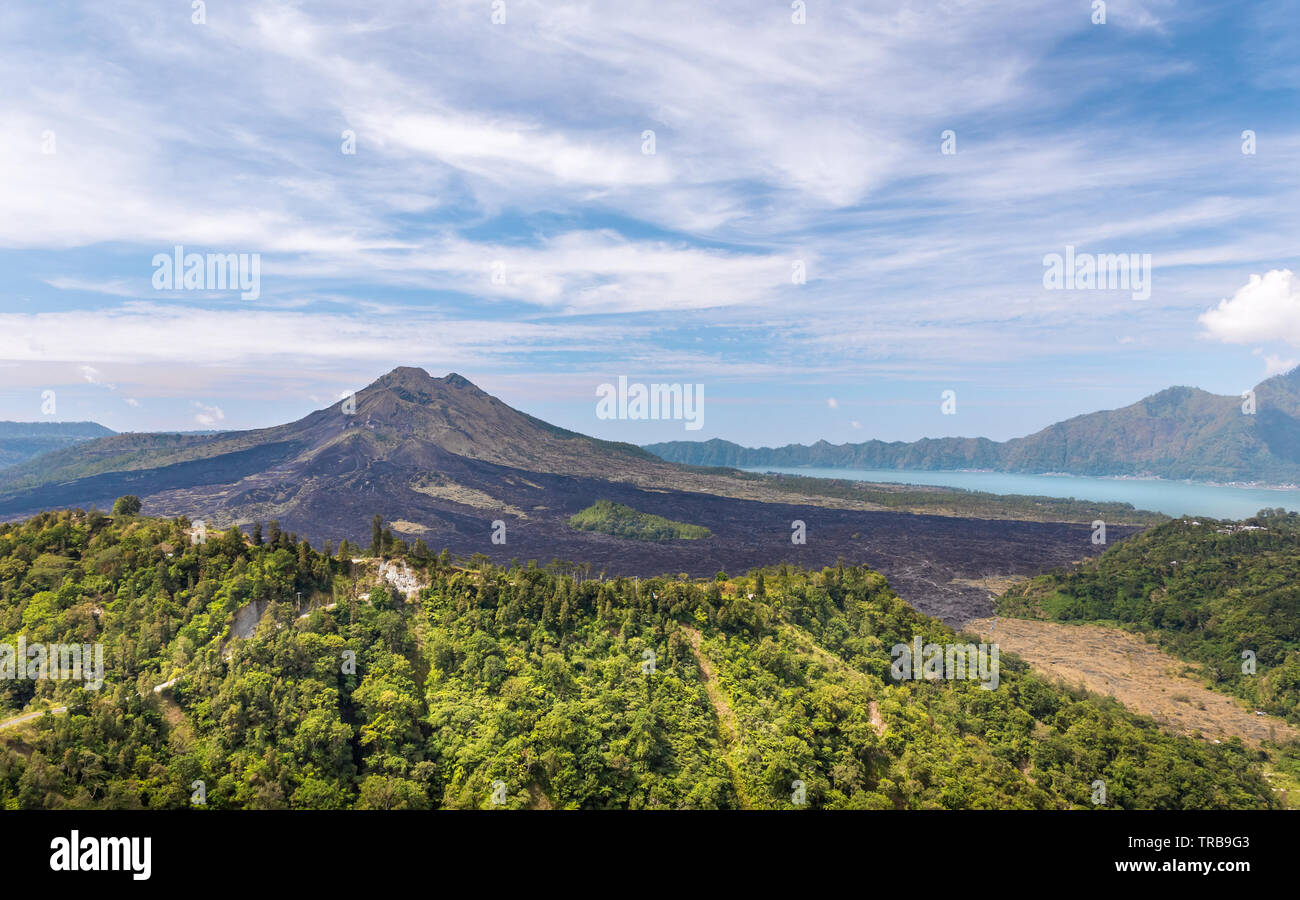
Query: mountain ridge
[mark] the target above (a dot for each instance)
(444, 463)
(21, 441)
(1180, 432)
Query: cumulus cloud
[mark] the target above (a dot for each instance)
(1266, 308)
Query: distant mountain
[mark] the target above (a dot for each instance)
(445, 463)
(1180, 433)
(21, 441)
(411, 434)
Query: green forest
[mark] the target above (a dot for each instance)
(528, 687)
(1207, 591)
(619, 520)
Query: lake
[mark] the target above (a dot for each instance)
(1173, 498)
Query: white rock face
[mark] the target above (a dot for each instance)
(400, 577)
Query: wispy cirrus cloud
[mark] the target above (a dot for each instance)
(503, 207)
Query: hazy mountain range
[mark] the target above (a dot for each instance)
(21, 441)
(1181, 433)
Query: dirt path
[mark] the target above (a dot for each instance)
(1140, 675)
(804, 642)
(59, 710)
(873, 716)
(728, 730)
(27, 717)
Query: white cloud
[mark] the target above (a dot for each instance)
(503, 151)
(208, 415)
(523, 143)
(1276, 365)
(1266, 308)
(184, 337)
(115, 287)
(832, 403)
(93, 376)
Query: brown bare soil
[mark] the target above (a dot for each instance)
(1139, 675)
(873, 714)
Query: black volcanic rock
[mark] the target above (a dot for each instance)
(441, 461)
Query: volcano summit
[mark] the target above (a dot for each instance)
(446, 463)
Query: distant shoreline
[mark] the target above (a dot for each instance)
(1253, 485)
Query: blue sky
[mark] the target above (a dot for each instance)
(517, 150)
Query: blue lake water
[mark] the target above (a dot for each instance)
(1174, 498)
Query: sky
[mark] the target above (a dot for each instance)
(825, 214)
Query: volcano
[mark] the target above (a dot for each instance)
(441, 461)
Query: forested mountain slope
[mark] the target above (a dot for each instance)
(524, 687)
(1181, 433)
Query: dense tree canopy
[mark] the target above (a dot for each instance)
(528, 687)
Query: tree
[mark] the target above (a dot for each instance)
(377, 535)
(127, 505)
(384, 792)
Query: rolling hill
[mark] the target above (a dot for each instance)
(1180, 433)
